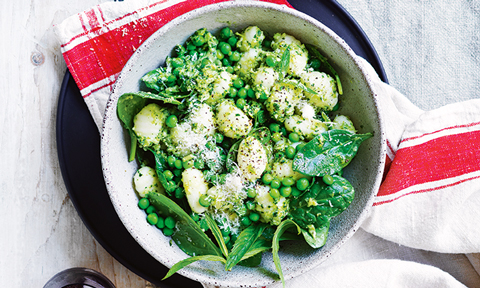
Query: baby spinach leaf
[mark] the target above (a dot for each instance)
(319, 237)
(314, 51)
(160, 164)
(244, 242)
(182, 264)
(328, 153)
(284, 226)
(127, 107)
(188, 235)
(217, 234)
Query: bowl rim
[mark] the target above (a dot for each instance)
(367, 78)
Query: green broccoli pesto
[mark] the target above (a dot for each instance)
(235, 145)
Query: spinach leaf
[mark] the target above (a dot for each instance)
(284, 226)
(282, 67)
(217, 234)
(319, 237)
(185, 262)
(188, 236)
(244, 242)
(127, 107)
(328, 153)
(161, 97)
(160, 167)
(252, 261)
(313, 51)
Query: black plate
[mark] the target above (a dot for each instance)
(78, 144)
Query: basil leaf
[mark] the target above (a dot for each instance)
(319, 237)
(217, 234)
(188, 235)
(284, 226)
(244, 242)
(328, 153)
(313, 51)
(127, 107)
(282, 67)
(181, 264)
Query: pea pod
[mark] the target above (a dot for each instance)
(328, 153)
(188, 236)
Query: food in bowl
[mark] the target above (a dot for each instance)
(239, 144)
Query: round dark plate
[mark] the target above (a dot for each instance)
(78, 144)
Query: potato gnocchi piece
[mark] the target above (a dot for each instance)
(284, 169)
(149, 123)
(252, 158)
(344, 123)
(281, 102)
(307, 128)
(221, 85)
(270, 211)
(324, 85)
(298, 53)
(264, 79)
(146, 181)
(195, 186)
(251, 37)
(231, 121)
(248, 62)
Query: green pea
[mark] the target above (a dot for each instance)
(267, 178)
(242, 93)
(226, 239)
(167, 231)
(160, 223)
(188, 164)
(274, 127)
(290, 152)
(210, 145)
(199, 163)
(219, 54)
(178, 164)
(225, 33)
(232, 92)
(254, 217)
(152, 218)
(250, 205)
(150, 209)
(238, 83)
(277, 136)
(246, 221)
(302, 184)
(226, 231)
(327, 179)
(168, 175)
(177, 62)
(240, 103)
(315, 64)
(285, 191)
(218, 137)
(179, 193)
(299, 146)
(198, 40)
(195, 217)
(225, 48)
(271, 61)
(143, 203)
(251, 93)
(295, 192)
(190, 46)
(230, 69)
(274, 193)
(172, 121)
(218, 63)
(288, 181)
(276, 183)
(251, 192)
(177, 172)
(204, 200)
(232, 41)
(235, 57)
(226, 62)
(170, 222)
(171, 78)
(294, 137)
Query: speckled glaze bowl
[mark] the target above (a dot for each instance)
(358, 102)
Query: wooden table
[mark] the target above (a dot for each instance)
(42, 233)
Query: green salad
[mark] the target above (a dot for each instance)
(240, 146)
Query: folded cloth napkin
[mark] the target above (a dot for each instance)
(430, 195)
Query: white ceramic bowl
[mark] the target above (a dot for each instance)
(358, 102)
